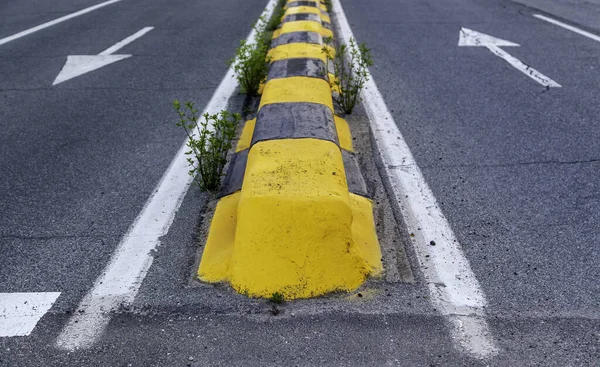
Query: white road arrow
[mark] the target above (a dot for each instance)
(77, 65)
(469, 37)
(20, 312)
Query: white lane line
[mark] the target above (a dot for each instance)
(453, 288)
(55, 21)
(20, 312)
(122, 278)
(569, 27)
(119, 45)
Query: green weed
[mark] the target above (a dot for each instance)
(251, 63)
(351, 68)
(275, 20)
(209, 140)
(277, 298)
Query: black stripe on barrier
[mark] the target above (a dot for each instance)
(294, 4)
(294, 121)
(235, 174)
(302, 16)
(354, 178)
(297, 37)
(313, 68)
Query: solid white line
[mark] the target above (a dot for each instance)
(122, 278)
(55, 21)
(119, 45)
(20, 312)
(569, 27)
(452, 285)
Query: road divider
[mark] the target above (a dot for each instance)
(294, 216)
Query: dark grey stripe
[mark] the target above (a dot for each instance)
(297, 37)
(326, 24)
(293, 4)
(302, 16)
(354, 178)
(294, 121)
(234, 178)
(313, 68)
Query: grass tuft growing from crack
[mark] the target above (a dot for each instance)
(209, 140)
(277, 298)
(351, 69)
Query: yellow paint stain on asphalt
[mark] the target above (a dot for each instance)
(297, 89)
(246, 137)
(343, 132)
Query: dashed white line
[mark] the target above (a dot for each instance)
(122, 278)
(453, 288)
(55, 21)
(569, 27)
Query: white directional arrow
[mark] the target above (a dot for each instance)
(20, 312)
(469, 37)
(77, 65)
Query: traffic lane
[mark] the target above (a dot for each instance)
(81, 161)
(584, 13)
(464, 108)
(483, 106)
(34, 61)
(528, 231)
(200, 339)
(19, 15)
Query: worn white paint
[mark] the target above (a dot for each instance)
(569, 27)
(470, 38)
(55, 21)
(122, 278)
(20, 312)
(77, 65)
(453, 288)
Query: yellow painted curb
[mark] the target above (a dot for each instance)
(298, 231)
(246, 137)
(297, 89)
(343, 132)
(302, 10)
(303, 26)
(294, 227)
(216, 258)
(297, 51)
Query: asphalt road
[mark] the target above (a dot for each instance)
(513, 165)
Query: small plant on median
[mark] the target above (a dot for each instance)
(351, 69)
(275, 20)
(277, 298)
(209, 140)
(250, 63)
(329, 5)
